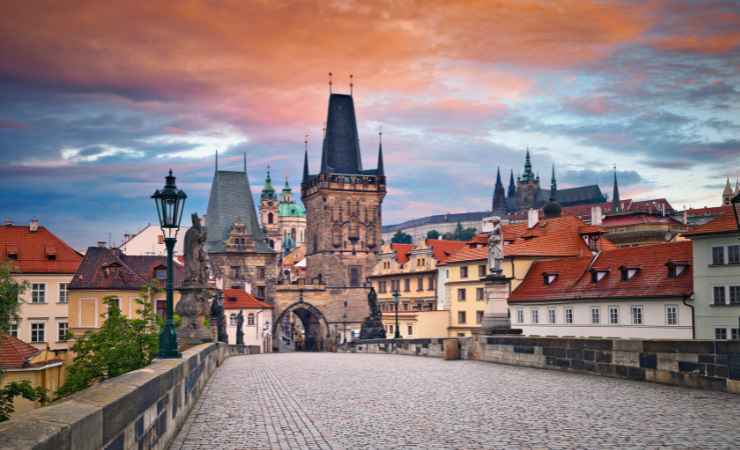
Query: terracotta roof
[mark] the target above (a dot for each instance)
(137, 271)
(242, 300)
(15, 353)
(574, 281)
(480, 238)
(637, 219)
(712, 210)
(403, 251)
(441, 250)
(514, 231)
(470, 254)
(33, 249)
(721, 224)
(291, 259)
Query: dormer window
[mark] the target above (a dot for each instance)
(113, 271)
(676, 267)
(598, 274)
(549, 277)
(51, 257)
(161, 274)
(232, 299)
(628, 271)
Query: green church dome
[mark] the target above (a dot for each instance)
(291, 210)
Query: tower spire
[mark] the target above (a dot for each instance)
(381, 169)
(616, 203)
(554, 182)
(499, 195)
(305, 162)
(512, 186)
(329, 82)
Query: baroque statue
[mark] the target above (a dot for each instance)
(239, 328)
(194, 256)
(372, 326)
(194, 297)
(496, 248)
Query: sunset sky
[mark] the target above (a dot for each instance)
(99, 99)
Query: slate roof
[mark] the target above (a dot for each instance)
(441, 218)
(137, 271)
(616, 221)
(32, 250)
(15, 353)
(574, 281)
(242, 300)
(571, 195)
(341, 152)
(719, 225)
(231, 199)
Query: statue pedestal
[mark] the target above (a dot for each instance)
(372, 327)
(192, 309)
(496, 318)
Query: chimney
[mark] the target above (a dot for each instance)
(8, 223)
(34, 225)
(596, 215)
(101, 244)
(248, 287)
(532, 218)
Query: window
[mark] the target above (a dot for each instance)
(37, 332)
(38, 293)
(568, 315)
(720, 333)
(250, 319)
(551, 316)
(719, 295)
(535, 316)
(637, 315)
(236, 287)
(390, 327)
(420, 284)
(478, 316)
(405, 306)
(162, 308)
(234, 271)
(261, 291)
(114, 271)
(613, 315)
(114, 303)
(733, 254)
(406, 284)
(430, 283)
(461, 295)
(734, 295)
(479, 293)
(463, 272)
(594, 277)
(482, 270)
(461, 317)
(671, 272)
(13, 330)
(354, 276)
(625, 275)
(160, 239)
(63, 293)
(595, 316)
(232, 319)
(63, 329)
(671, 315)
(718, 255)
(519, 316)
(411, 330)
(161, 274)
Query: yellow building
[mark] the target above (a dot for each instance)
(108, 272)
(524, 244)
(417, 324)
(22, 361)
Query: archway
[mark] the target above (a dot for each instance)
(301, 326)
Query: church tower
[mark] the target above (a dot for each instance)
(343, 205)
(727, 194)
(269, 213)
(528, 187)
(499, 196)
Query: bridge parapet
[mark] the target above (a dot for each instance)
(142, 409)
(702, 364)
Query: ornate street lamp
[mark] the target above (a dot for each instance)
(220, 313)
(344, 318)
(170, 202)
(396, 299)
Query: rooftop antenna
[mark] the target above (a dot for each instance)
(329, 82)
(351, 87)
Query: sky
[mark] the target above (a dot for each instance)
(98, 100)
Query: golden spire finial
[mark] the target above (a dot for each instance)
(330, 82)
(351, 84)
(306, 141)
(286, 177)
(268, 171)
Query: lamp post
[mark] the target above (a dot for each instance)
(336, 333)
(219, 312)
(170, 202)
(396, 299)
(344, 318)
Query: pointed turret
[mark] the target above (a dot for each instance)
(305, 164)
(499, 195)
(268, 192)
(554, 183)
(737, 188)
(512, 186)
(616, 202)
(528, 174)
(341, 153)
(727, 194)
(381, 170)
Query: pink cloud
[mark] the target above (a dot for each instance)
(175, 130)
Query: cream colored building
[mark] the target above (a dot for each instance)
(149, 241)
(417, 324)
(257, 318)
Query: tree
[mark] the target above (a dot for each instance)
(121, 345)
(448, 236)
(467, 234)
(401, 238)
(10, 295)
(433, 234)
(19, 388)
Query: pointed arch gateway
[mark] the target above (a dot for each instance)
(305, 312)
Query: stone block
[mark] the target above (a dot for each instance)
(599, 344)
(23, 433)
(85, 422)
(561, 352)
(733, 386)
(551, 360)
(603, 357)
(589, 355)
(697, 346)
(451, 349)
(660, 346)
(648, 360)
(700, 369)
(574, 353)
(634, 373)
(706, 359)
(631, 359)
(667, 365)
(563, 362)
(590, 366)
(661, 376)
(576, 343)
(522, 349)
(687, 357)
(711, 383)
(605, 369)
(666, 356)
(578, 364)
(628, 345)
(559, 343)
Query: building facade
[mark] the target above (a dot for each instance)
(716, 270)
(281, 217)
(149, 241)
(257, 318)
(443, 223)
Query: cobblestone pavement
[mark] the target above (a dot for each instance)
(369, 401)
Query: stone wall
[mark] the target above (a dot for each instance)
(701, 364)
(143, 409)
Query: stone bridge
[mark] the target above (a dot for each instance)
(380, 394)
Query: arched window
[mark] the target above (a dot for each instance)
(272, 243)
(293, 234)
(269, 218)
(250, 319)
(232, 320)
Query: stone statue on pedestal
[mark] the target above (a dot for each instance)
(239, 328)
(496, 248)
(372, 326)
(194, 298)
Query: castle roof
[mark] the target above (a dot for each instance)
(341, 153)
(291, 209)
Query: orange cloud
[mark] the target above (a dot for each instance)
(175, 130)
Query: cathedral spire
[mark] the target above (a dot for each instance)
(616, 202)
(305, 162)
(381, 169)
(554, 182)
(512, 185)
(268, 192)
(499, 195)
(528, 175)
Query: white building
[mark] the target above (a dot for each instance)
(257, 318)
(150, 241)
(444, 223)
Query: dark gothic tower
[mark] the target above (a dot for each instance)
(616, 203)
(554, 183)
(512, 186)
(499, 196)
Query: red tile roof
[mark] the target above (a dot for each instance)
(403, 251)
(33, 249)
(480, 238)
(712, 210)
(137, 271)
(242, 300)
(574, 280)
(441, 250)
(722, 224)
(636, 219)
(469, 254)
(15, 353)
